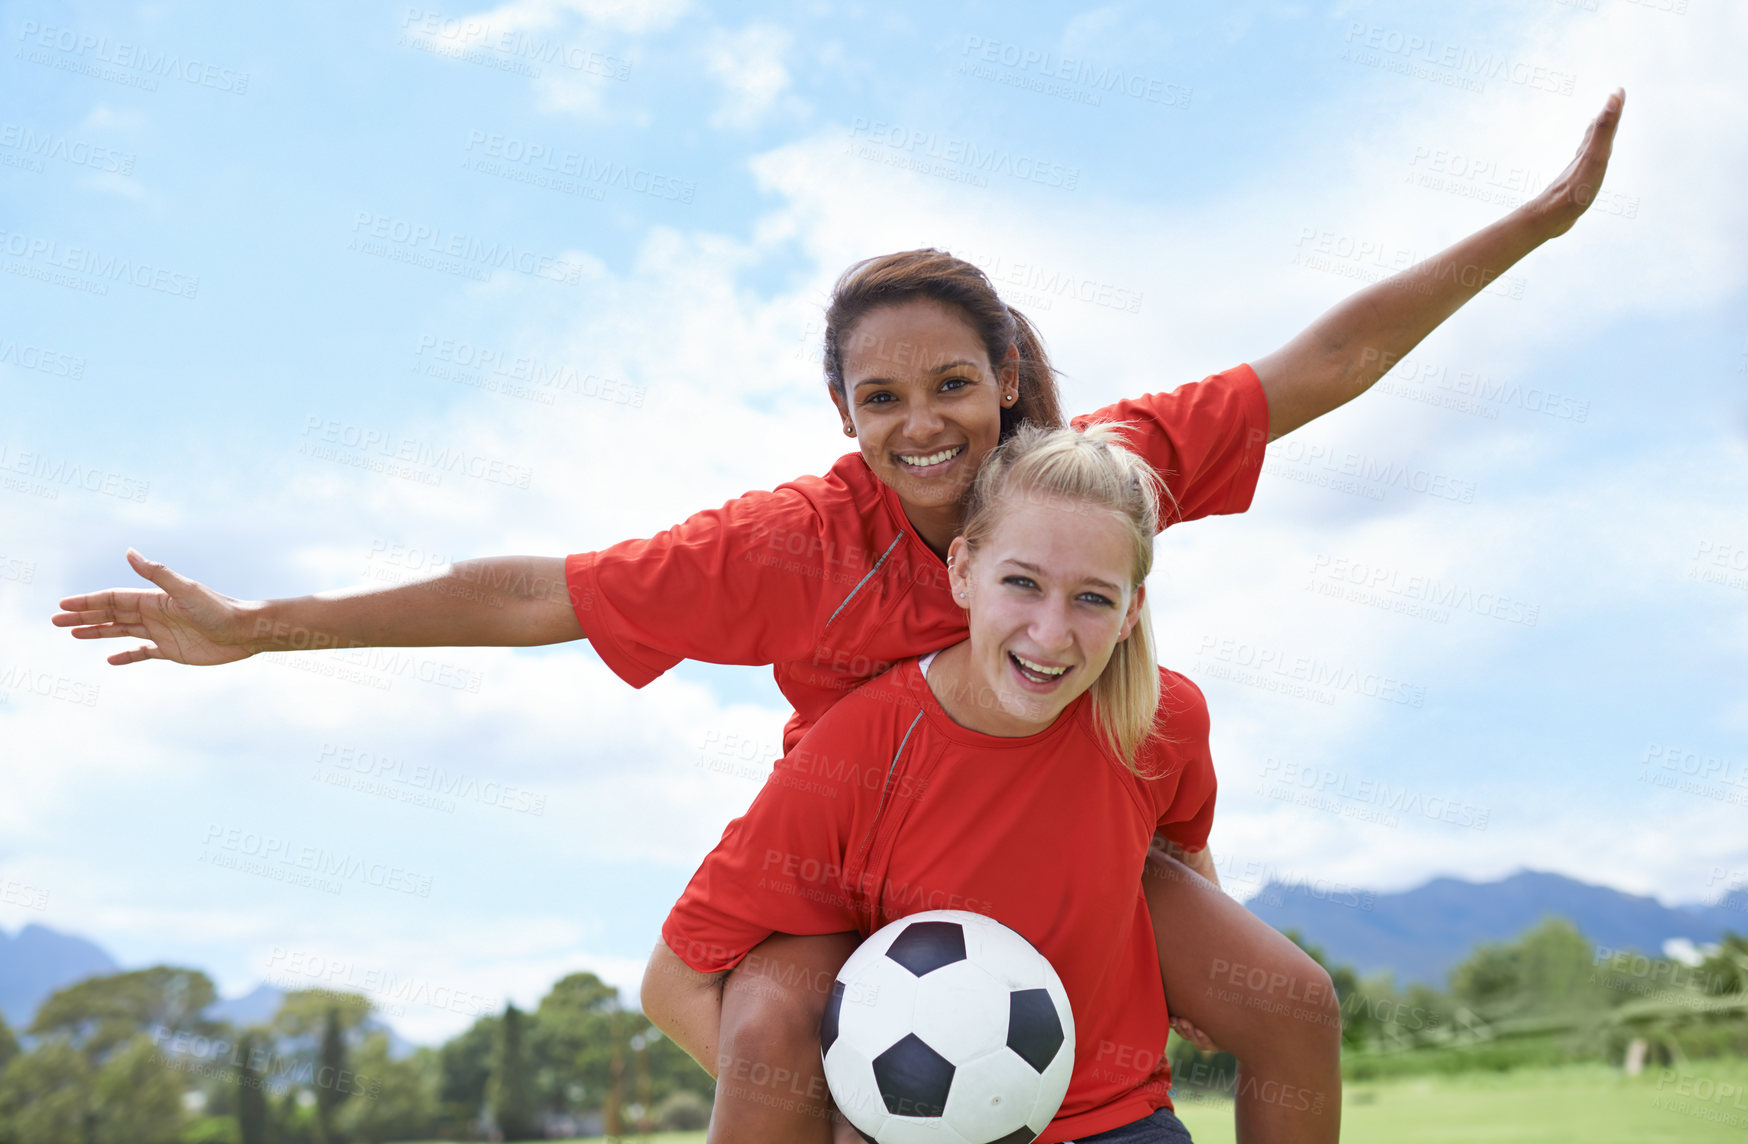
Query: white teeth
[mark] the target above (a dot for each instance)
(1038, 667)
(932, 458)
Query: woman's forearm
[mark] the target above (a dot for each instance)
(1340, 355)
(502, 601)
(1353, 344)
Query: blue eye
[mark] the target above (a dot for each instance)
(1019, 581)
(1102, 601)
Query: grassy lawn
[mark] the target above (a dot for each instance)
(1705, 1103)
(1579, 1104)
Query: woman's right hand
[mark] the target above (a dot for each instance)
(187, 622)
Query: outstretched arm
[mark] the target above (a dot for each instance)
(501, 601)
(1339, 356)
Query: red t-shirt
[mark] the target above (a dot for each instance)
(888, 808)
(825, 579)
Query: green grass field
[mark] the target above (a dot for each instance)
(1579, 1104)
(1705, 1102)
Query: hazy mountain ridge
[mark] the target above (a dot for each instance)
(37, 961)
(1422, 933)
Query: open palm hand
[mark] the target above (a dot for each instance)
(186, 621)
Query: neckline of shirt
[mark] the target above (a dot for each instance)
(944, 722)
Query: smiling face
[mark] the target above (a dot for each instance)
(1050, 597)
(925, 404)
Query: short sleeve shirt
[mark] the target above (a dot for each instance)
(886, 807)
(824, 578)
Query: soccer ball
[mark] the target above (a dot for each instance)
(948, 1027)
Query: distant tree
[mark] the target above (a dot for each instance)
(571, 1040)
(251, 1091)
(333, 1081)
(510, 1094)
(570, 1045)
(1725, 971)
(45, 1096)
(100, 1014)
(303, 1013)
(464, 1071)
(1490, 977)
(1546, 970)
(396, 1100)
(8, 1044)
(136, 1100)
(683, 1112)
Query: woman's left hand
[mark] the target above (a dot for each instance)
(1193, 1035)
(1571, 194)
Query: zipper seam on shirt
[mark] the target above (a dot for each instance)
(891, 769)
(864, 580)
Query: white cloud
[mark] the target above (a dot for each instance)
(749, 64)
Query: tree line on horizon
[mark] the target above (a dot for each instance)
(129, 1058)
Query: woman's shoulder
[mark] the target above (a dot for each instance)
(1180, 728)
(895, 695)
(1180, 698)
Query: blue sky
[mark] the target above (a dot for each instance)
(1482, 618)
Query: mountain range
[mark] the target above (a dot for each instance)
(1420, 935)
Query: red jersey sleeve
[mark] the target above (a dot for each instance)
(1185, 808)
(1205, 439)
(778, 868)
(723, 586)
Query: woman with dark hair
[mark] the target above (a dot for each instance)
(833, 579)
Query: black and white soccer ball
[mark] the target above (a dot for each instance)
(948, 1027)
